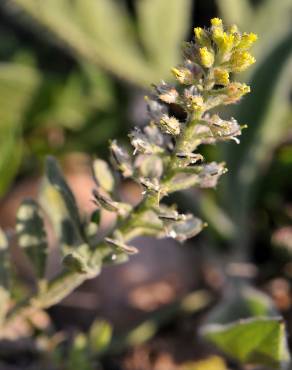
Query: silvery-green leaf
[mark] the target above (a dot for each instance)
(122, 159)
(149, 166)
(4, 260)
(257, 341)
(186, 228)
(32, 237)
(103, 175)
(4, 275)
(100, 335)
(59, 203)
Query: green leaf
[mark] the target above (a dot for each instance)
(100, 335)
(32, 237)
(258, 341)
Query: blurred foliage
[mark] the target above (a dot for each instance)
(102, 33)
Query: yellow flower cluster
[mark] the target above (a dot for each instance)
(217, 52)
(224, 48)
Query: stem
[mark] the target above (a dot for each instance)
(65, 282)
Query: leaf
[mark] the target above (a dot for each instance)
(32, 237)
(59, 203)
(163, 24)
(103, 175)
(4, 275)
(258, 341)
(99, 336)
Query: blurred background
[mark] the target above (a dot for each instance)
(73, 75)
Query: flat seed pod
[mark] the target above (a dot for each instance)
(184, 229)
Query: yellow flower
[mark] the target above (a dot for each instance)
(241, 60)
(183, 75)
(221, 76)
(206, 57)
(202, 37)
(216, 22)
(247, 40)
(197, 103)
(224, 41)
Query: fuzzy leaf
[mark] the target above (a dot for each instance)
(32, 237)
(59, 203)
(260, 341)
(103, 175)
